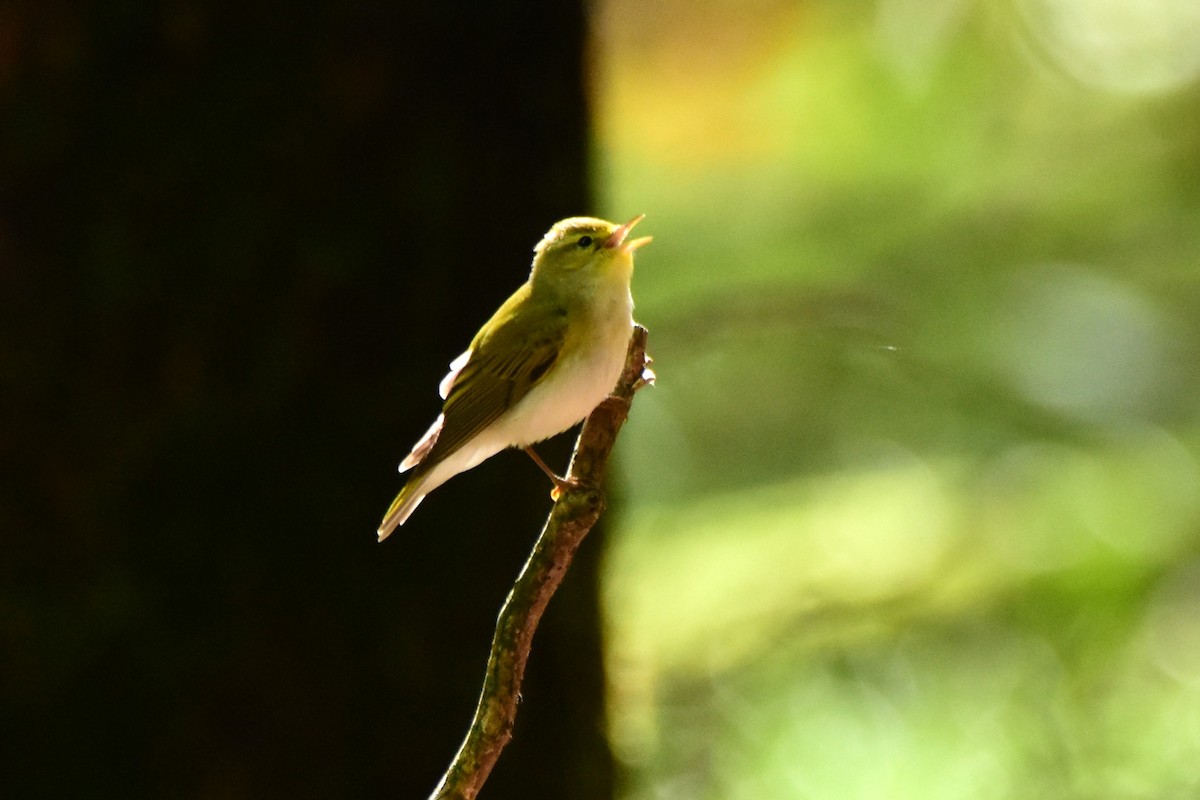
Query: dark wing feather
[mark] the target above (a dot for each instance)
(507, 360)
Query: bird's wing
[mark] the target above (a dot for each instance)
(500, 369)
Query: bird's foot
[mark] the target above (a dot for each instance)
(647, 377)
(562, 485)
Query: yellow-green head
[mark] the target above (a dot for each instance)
(578, 252)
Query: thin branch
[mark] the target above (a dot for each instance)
(573, 515)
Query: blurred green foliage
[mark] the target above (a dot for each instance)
(914, 509)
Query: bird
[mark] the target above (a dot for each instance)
(548, 356)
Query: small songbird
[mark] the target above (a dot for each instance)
(544, 360)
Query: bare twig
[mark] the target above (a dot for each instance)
(573, 515)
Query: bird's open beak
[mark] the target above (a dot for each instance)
(620, 235)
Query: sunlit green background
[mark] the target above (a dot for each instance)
(914, 509)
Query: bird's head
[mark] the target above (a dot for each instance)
(582, 251)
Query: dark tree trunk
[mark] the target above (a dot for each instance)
(239, 244)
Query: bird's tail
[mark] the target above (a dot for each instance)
(403, 506)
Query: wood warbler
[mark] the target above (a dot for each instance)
(544, 360)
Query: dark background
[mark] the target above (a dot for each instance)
(239, 244)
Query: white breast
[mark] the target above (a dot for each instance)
(578, 382)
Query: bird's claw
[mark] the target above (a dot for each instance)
(562, 485)
(647, 377)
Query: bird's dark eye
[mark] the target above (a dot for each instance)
(584, 241)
